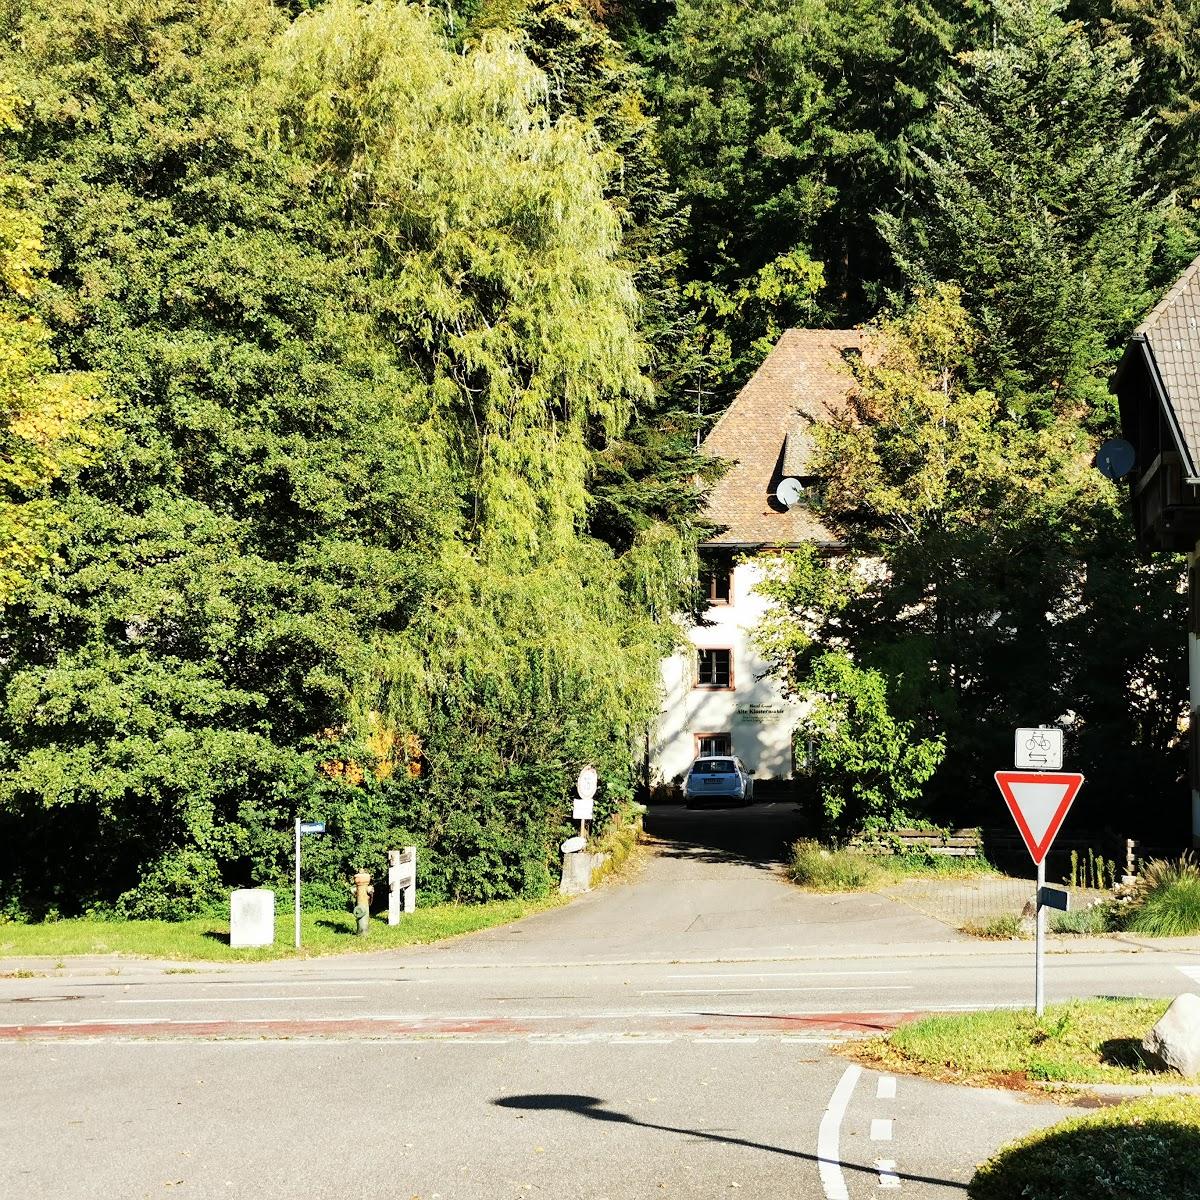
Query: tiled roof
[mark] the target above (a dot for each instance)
(1172, 333)
(804, 380)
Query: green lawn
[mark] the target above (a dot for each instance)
(1085, 1041)
(207, 938)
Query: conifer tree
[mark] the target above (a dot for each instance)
(1031, 203)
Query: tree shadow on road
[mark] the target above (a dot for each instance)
(589, 1106)
(755, 836)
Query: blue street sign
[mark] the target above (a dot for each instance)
(312, 826)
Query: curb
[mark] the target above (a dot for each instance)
(1124, 1090)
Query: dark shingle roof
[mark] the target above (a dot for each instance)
(1172, 335)
(766, 433)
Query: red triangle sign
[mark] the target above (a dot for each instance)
(1038, 801)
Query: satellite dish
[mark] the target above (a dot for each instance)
(790, 491)
(1115, 459)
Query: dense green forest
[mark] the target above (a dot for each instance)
(355, 356)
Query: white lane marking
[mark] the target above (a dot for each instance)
(888, 1178)
(829, 1164)
(886, 1088)
(810, 1041)
(745, 991)
(1193, 973)
(881, 1129)
(783, 974)
(229, 999)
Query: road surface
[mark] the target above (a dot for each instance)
(674, 1035)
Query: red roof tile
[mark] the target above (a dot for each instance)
(804, 380)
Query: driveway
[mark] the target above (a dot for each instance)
(711, 886)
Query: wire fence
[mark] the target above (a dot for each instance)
(978, 901)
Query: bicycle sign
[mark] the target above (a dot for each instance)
(1039, 749)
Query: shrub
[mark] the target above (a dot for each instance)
(1167, 901)
(1088, 922)
(1148, 1147)
(180, 884)
(813, 866)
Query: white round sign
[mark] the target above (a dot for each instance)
(585, 785)
(571, 845)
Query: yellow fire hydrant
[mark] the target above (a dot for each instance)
(363, 891)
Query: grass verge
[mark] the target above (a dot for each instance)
(1001, 928)
(1148, 1147)
(821, 869)
(1085, 1041)
(207, 938)
(621, 841)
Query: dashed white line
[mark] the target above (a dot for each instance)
(888, 1178)
(886, 1088)
(829, 1163)
(783, 974)
(745, 991)
(231, 999)
(881, 1129)
(1193, 973)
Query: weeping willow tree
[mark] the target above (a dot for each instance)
(495, 267)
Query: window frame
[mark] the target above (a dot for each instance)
(714, 687)
(716, 733)
(713, 567)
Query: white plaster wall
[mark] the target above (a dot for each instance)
(1194, 701)
(763, 744)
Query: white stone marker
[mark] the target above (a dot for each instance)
(402, 883)
(252, 917)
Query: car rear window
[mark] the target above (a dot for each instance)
(715, 766)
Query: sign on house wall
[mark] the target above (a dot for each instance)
(760, 712)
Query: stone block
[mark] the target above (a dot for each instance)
(1174, 1043)
(252, 917)
(576, 874)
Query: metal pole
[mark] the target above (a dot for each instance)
(297, 883)
(1039, 966)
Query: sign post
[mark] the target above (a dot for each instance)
(1039, 802)
(303, 827)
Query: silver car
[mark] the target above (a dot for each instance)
(721, 777)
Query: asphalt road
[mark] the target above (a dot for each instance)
(671, 1035)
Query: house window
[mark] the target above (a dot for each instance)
(716, 579)
(715, 669)
(714, 745)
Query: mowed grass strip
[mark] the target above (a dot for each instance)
(207, 938)
(823, 869)
(1085, 1041)
(1147, 1147)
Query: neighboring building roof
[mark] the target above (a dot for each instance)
(767, 434)
(1171, 333)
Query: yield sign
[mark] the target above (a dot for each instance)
(1038, 802)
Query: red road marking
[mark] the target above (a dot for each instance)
(367, 1027)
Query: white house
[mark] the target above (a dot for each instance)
(717, 698)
